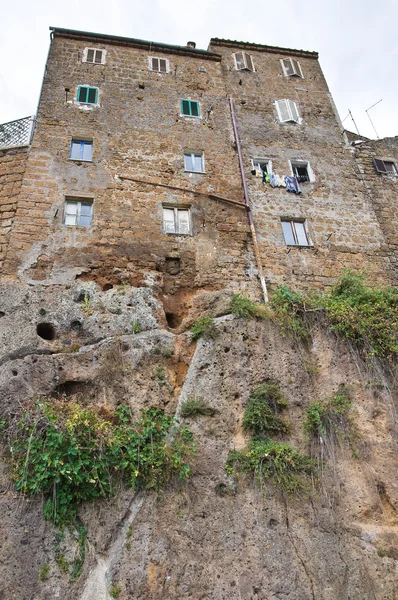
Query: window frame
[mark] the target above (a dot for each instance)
(293, 222)
(380, 167)
(246, 67)
(182, 114)
(95, 50)
(191, 155)
(79, 201)
(82, 143)
(150, 65)
(88, 87)
(288, 106)
(259, 162)
(296, 72)
(176, 209)
(298, 163)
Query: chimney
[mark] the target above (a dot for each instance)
(191, 44)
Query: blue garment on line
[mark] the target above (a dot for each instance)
(292, 184)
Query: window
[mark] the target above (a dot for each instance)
(243, 61)
(81, 150)
(295, 233)
(88, 95)
(287, 111)
(194, 161)
(190, 108)
(385, 166)
(291, 67)
(176, 220)
(91, 55)
(302, 171)
(160, 65)
(261, 166)
(78, 212)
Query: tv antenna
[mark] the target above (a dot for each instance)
(352, 118)
(367, 112)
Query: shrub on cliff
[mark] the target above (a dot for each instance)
(261, 416)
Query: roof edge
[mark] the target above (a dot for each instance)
(136, 43)
(263, 48)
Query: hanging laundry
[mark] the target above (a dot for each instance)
(266, 177)
(273, 180)
(292, 184)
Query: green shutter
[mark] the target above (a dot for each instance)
(81, 94)
(185, 107)
(194, 108)
(92, 96)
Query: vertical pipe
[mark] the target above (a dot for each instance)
(247, 202)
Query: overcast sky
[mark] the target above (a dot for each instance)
(356, 41)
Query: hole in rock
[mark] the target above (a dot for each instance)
(46, 331)
(76, 326)
(42, 311)
(2, 314)
(172, 265)
(14, 372)
(74, 388)
(106, 287)
(173, 320)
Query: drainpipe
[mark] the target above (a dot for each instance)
(247, 202)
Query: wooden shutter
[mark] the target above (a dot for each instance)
(90, 55)
(98, 56)
(183, 221)
(195, 111)
(92, 96)
(301, 234)
(283, 110)
(240, 61)
(155, 64)
(168, 220)
(82, 94)
(162, 65)
(379, 165)
(288, 67)
(297, 68)
(294, 112)
(185, 105)
(249, 62)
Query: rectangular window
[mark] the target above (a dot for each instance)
(287, 111)
(385, 166)
(302, 171)
(92, 55)
(160, 65)
(88, 95)
(291, 67)
(190, 108)
(295, 233)
(78, 212)
(261, 166)
(81, 150)
(243, 61)
(176, 220)
(194, 161)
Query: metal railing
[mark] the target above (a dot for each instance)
(17, 133)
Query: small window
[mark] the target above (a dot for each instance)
(81, 150)
(302, 171)
(160, 65)
(291, 67)
(87, 95)
(243, 61)
(176, 220)
(261, 167)
(190, 108)
(78, 212)
(385, 166)
(194, 161)
(287, 111)
(295, 233)
(92, 55)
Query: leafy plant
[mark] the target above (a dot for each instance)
(160, 372)
(329, 418)
(44, 572)
(203, 326)
(266, 459)
(72, 453)
(260, 414)
(86, 305)
(61, 561)
(288, 308)
(136, 327)
(194, 407)
(242, 307)
(114, 591)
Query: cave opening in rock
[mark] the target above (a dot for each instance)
(46, 331)
(173, 320)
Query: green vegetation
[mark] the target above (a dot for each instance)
(242, 307)
(77, 565)
(329, 418)
(86, 305)
(204, 326)
(160, 372)
(61, 561)
(260, 415)
(114, 591)
(135, 326)
(288, 309)
(73, 453)
(194, 407)
(266, 459)
(44, 573)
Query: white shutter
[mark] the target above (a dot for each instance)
(294, 112)
(301, 234)
(98, 56)
(162, 65)
(183, 221)
(90, 55)
(297, 68)
(283, 110)
(249, 61)
(168, 220)
(287, 66)
(70, 213)
(240, 61)
(155, 64)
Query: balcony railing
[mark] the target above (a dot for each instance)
(16, 133)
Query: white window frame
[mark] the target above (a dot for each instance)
(256, 165)
(302, 163)
(293, 222)
(93, 62)
(245, 60)
(295, 67)
(380, 166)
(190, 154)
(176, 209)
(150, 64)
(290, 107)
(77, 201)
